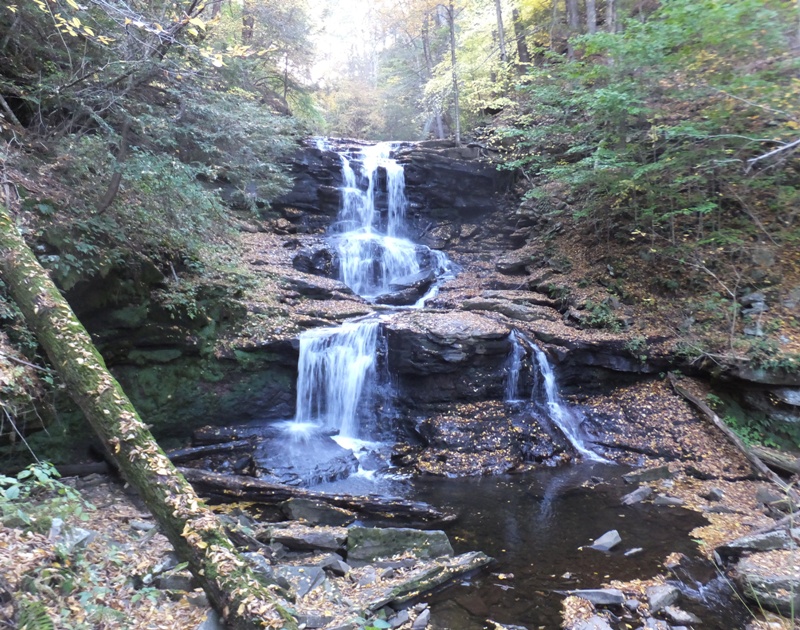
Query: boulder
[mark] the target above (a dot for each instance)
(768, 541)
(366, 544)
(319, 260)
(637, 496)
(648, 474)
(682, 617)
(771, 579)
(303, 579)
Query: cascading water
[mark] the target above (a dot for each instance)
(567, 419)
(337, 372)
(514, 365)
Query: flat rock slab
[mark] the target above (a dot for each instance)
(637, 496)
(302, 538)
(303, 579)
(601, 596)
(768, 541)
(771, 579)
(594, 623)
(366, 544)
(316, 512)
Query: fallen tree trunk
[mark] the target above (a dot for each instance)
(756, 463)
(234, 488)
(786, 462)
(232, 587)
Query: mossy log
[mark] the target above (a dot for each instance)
(194, 531)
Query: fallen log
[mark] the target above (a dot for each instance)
(235, 488)
(758, 466)
(785, 462)
(180, 455)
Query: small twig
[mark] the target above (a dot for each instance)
(3, 355)
(11, 116)
(19, 433)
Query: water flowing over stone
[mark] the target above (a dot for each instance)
(514, 366)
(545, 393)
(337, 377)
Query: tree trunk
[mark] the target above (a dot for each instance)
(451, 14)
(248, 21)
(591, 17)
(611, 16)
(500, 32)
(573, 24)
(190, 526)
(523, 54)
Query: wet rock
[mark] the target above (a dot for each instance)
(319, 289)
(316, 512)
(638, 495)
(771, 579)
(601, 596)
(299, 537)
(648, 474)
(633, 604)
(654, 624)
(367, 544)
(678, 616)
(312, 621)
(664, 500)
(399, 619)
(607, 541)
(175, 581)
(659, 597)
(303, 579)
(319, 260)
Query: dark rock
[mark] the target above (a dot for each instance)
(212, 622)
(316, 512)
(659, 597)
(601, 596)
(752, 298)
(638, 495)
(176, 581)
(767, 495)
(313, 620)
(655, 624)
(299, 537)
(719, 509)
(399, 619)
(633, 604)
(318, 260)
(787, 395)
(367, 544)
(607, 541)
(648, 474)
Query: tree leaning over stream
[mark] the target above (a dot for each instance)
(194, 531)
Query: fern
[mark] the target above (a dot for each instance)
(33, 616)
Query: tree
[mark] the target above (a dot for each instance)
(501, 37)
(573, 24)
(591, 17)
(451, 21)
(194, 531)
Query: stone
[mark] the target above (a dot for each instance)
(75, 538)
(141, 526)
(676, 615)
(767, 495)
(319, 260)
(752, 298)
(421, 622)
(658, 597)
(655, 624)
(302, 538)
(335, 565)
(303, 579)
(365, 544)
(638, 495)
(595, 622)
(648, 474)
(713, 494)
(632, 604)
(368, 577)
(313, 620)
(399, 619)
(633, 551)
(316, 512)
(664, 500)
(607, 541)
(787, 395)
(601, 596)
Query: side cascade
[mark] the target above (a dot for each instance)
(544, 393)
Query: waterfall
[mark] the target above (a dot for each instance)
(513, 367)
(567, 419)
(337, 376)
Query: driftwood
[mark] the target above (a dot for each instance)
(758, 466)
(234, 488)
(786, 462)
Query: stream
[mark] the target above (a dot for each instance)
(537, 525)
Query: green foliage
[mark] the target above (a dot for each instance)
(600, 315)
(33, 616)
(637, 346)
(35, 496)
